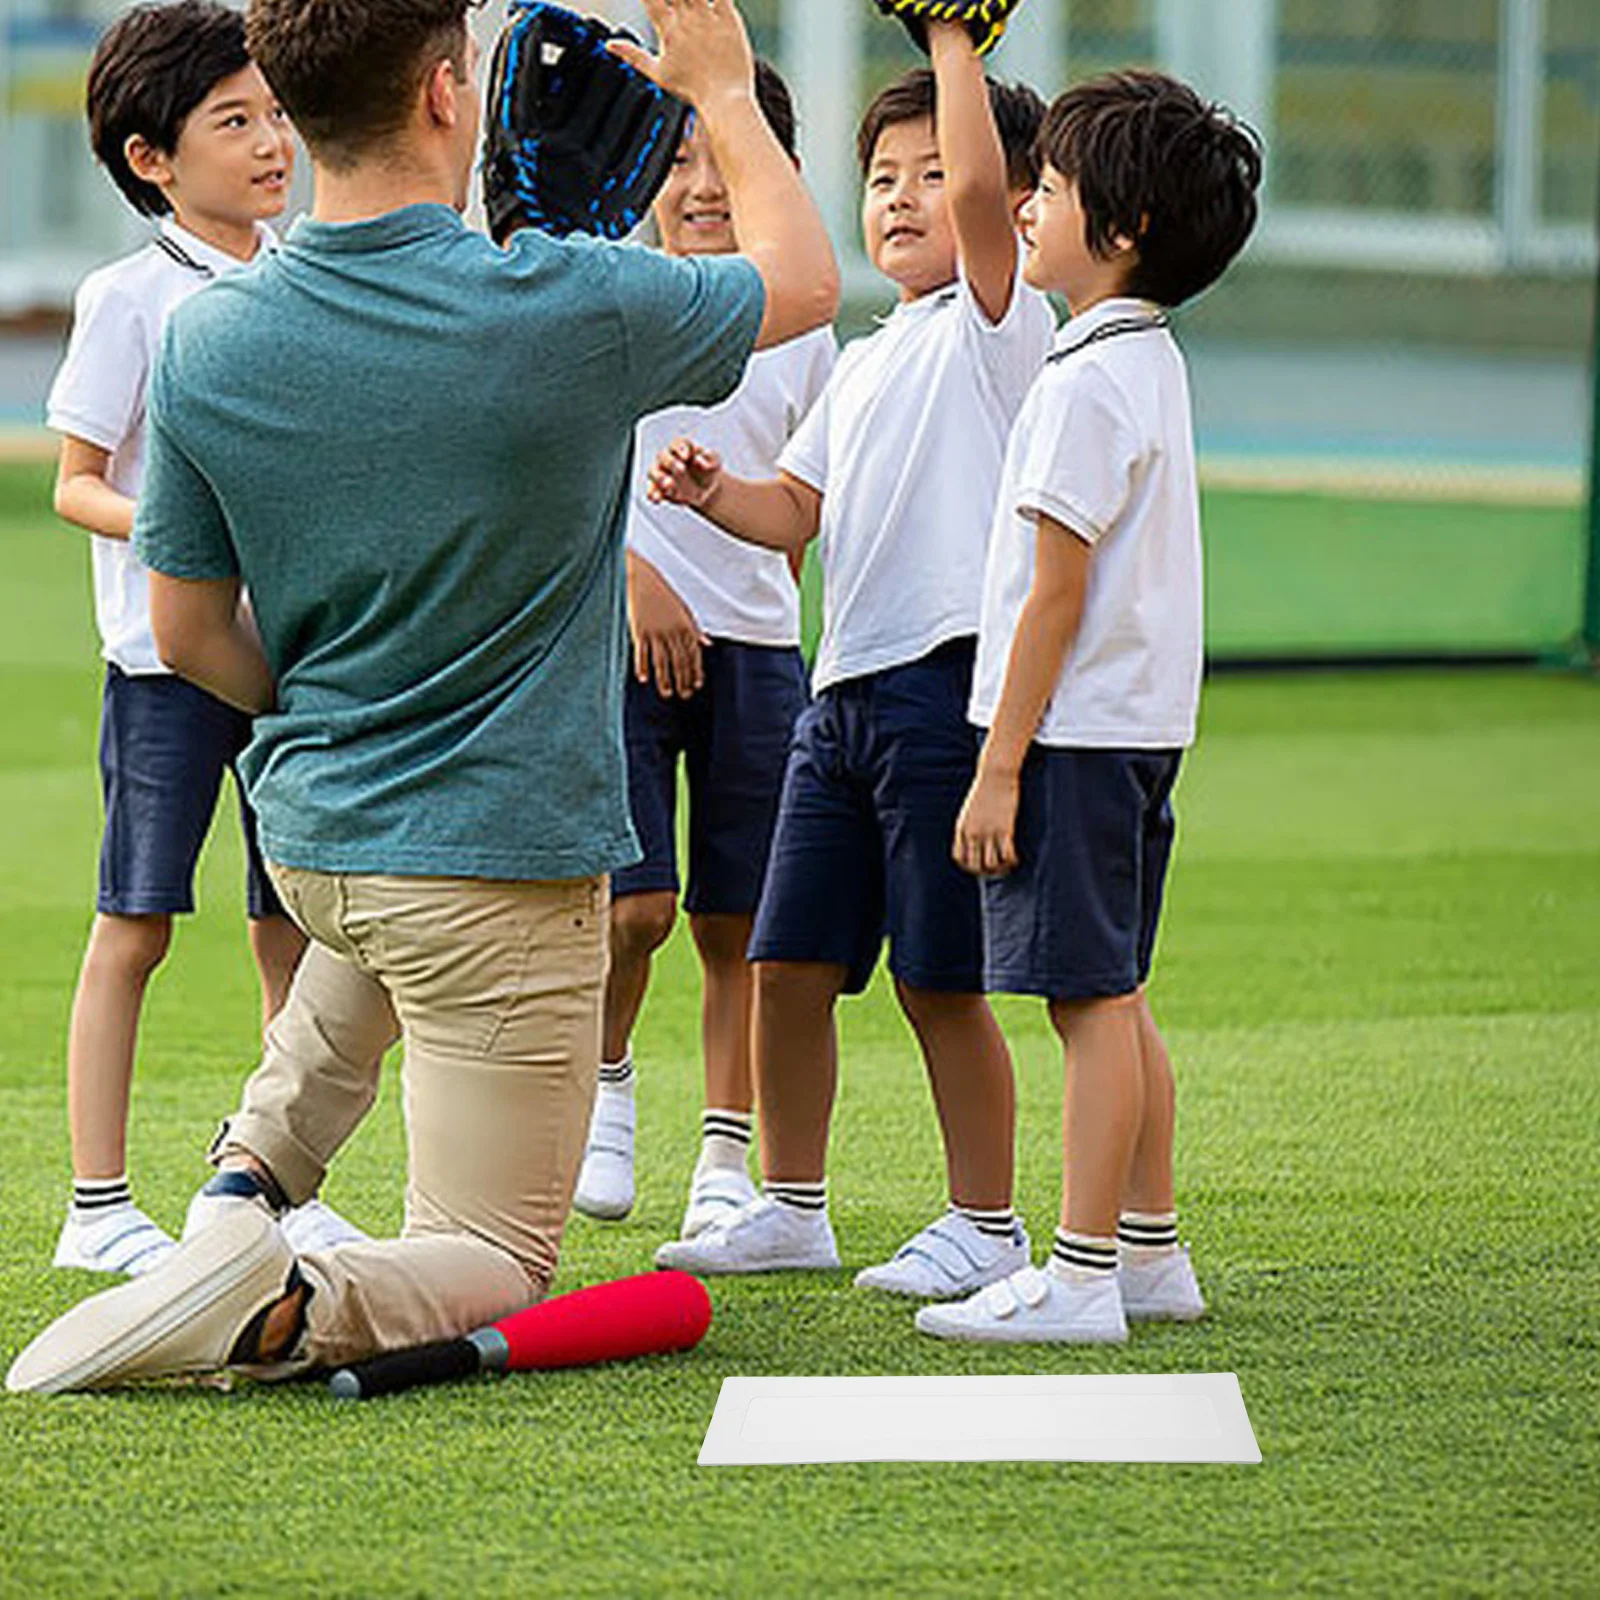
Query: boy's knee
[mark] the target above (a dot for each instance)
(1068, 1014)
(640, 923)
(788, 986)
(939, 1005)
(721, 940)
(134, 946)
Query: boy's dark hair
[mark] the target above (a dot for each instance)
(348, 71)
(151, 68)
(1156, 164)
(912, 97)
(777, 106)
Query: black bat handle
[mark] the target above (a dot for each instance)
(440, 1362)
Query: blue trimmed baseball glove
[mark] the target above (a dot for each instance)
(985, 20)
(575, 140)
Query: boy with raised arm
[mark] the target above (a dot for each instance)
(895, 473)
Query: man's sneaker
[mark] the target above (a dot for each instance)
(950, 1257)
(118, 1239)
(315, 1227)
(187, 1316)
(1160, 1288)
(605, 1184)
(1033, 1307)
(227, 1192)
(762, 1237)
(715, 1193)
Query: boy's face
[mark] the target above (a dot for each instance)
(692, 211)
(1057, 249)
(905, 217)
(234, 156)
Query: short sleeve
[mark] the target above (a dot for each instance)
(179, 528)
(806, 455)
(1082, 453)
(98, 394)
(1010, 352)
(690, 324)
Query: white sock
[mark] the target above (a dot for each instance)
(1147, 1235)
(616, 1077)
(1083, 1257)
(811, 1199)
(93, 1197)
(725, 1138)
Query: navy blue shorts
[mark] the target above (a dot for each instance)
(1077, 917)
(164, 746)
(880, 767)
(733, 737)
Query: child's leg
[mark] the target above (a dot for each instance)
(969, 1067)
(797, 1065)
(277, 946)
(1150, 1180)
(640, 924)
(121, 955)
(726, 1017)
(1103, 1110)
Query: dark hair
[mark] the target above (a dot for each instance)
(1018, 112)
(777, 106)
(348, 71)
(151, 68)
(1156, 164)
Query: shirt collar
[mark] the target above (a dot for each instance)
(427, 219)
(215, 261)
(1120, 308)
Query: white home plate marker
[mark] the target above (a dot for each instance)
(1175, 1417)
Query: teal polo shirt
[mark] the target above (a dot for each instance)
(415, 448)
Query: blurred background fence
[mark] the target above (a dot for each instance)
(1393, 388)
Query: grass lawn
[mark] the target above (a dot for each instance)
(1380, 976)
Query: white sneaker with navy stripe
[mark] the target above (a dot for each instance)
(949, 1258)
(119, 1238)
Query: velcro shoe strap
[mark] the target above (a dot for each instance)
(944, 1251)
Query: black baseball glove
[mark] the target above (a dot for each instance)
(575, 140)
(985, 20)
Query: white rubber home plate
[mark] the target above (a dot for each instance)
(1196, 1417)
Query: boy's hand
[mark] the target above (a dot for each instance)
(704, 50)
(684, 474)
(985, 843)
(667, 641)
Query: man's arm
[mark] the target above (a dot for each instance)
(974, 169)
(205, 633)
(705, 59)
(84, 496)
(985, 841)
(779, 513)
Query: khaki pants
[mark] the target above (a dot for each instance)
(496, 990)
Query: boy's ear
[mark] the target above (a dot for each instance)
(441, 93)
(147, 163)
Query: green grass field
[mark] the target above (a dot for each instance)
(1380, 976)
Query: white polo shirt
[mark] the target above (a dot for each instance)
(905, 446)
(1105, 446)
(736, 590)
(99, 396)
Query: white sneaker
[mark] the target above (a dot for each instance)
(762, 1237)
(950, 1257)
(1033, 1307)
(1160, 1288)
(715, 1193)
(315, 1227)
(118, 1239)
(605, 1184)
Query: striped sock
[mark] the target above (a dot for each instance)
(1082, 1256)
(617, 1074)
(812, 1197)
(725, 1137)
(997, 1224)
(93, 1196)
(1144, 1234)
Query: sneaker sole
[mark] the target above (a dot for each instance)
(601, 1210)
(864, 1280)
(726, 1270)
(1159, 1314)
(102, 1352)
(1039, 1336)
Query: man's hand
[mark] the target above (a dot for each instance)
(667, 641)
(985, 842)
(704, 54)
(684, 474)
